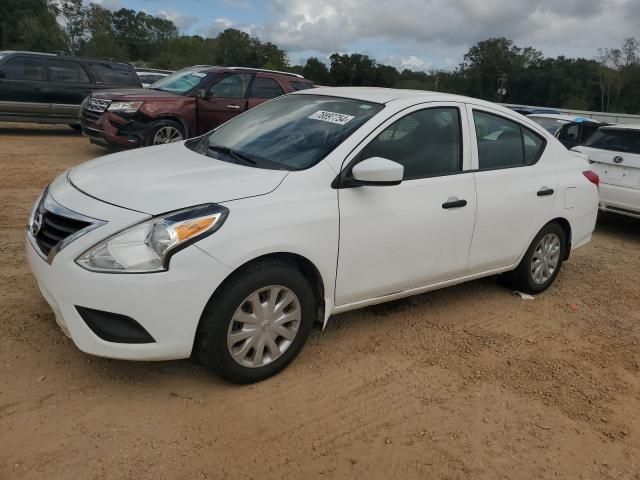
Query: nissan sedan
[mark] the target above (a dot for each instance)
(230, 246)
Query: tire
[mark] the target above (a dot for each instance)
(523, 278)
(214, 343)
(76, 127)
(163, 132)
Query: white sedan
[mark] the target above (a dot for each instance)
(230, 246)
(614, 154)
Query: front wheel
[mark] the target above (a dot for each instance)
(542, 262)
(257, 323)
(165, 131)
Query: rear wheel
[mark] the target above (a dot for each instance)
(257, 323)
(542, 262)
(165, 131)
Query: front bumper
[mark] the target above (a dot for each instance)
(110, 129)
(168, 305)
(621, 200)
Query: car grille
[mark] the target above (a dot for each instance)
(97, 105)
(55, 228)
(94, 108)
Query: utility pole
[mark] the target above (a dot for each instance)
(502, 86)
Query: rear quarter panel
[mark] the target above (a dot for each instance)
(577, 199)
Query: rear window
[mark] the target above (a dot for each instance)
(615, 140)
(300, 85)
(115, 74)
(265, 88)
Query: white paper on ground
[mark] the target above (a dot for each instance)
(524, 296)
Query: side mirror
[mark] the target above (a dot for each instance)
(377, 172)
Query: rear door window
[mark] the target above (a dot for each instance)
(503, 143)
(115, 74)
(265, 88)
(231, 86)
(66, 72)
(615, 140)
(24, 68)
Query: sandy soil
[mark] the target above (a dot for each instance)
(466, 383)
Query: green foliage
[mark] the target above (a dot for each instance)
(316, 71)
(494, 69)
(183, 51)
(30, 25)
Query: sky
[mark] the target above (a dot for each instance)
(416, 34)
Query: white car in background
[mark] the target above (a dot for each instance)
(614, 154)
(553, 123)
(149, 76)
(232, 245)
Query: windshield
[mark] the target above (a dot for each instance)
(292, 133)
(179, 82)
(551, 125)
(615, 140)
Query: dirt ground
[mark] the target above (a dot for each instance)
(470, 382)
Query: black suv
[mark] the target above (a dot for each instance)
(49, 88)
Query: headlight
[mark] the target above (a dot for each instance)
(35, 210)
(148, 246)
(126, 107)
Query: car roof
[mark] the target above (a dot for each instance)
(151, 70)
(568, 118)
(215, 68)
(623, 126)
(387, 95)
(59, 55)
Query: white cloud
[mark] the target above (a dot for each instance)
(411, 62)
(446, 28)
(109, 4)
(183, 22)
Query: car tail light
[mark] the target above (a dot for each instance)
(592, 177)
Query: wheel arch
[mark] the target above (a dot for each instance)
(303, 264)
(566, 227)
(175, 118)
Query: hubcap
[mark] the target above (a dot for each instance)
(264, 326)
(167, 135)
(545, 258)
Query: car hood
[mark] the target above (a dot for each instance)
(160, 179)
(126, 94)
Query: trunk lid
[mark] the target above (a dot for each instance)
(615, 159)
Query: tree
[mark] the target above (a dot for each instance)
(614, 64)
(30, 25)
(317, 71)
(354, 69)
(491, 60)
(102, 41)
(185, 51)
(75, 16)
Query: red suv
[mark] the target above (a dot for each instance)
(185, 104)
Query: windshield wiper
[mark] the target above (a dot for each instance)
(238, 156)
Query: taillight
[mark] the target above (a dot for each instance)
(592, 177)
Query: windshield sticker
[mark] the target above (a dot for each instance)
(198, 74)
(331, 117)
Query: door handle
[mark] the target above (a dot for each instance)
(545, 192)
(235, 107)
(454, 204)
